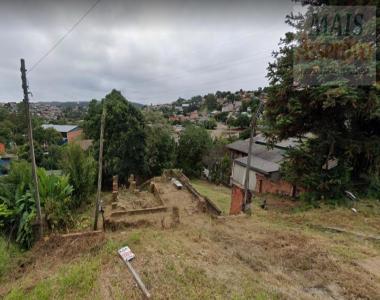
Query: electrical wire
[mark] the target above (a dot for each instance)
(64, 36)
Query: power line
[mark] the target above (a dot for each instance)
(64, 36)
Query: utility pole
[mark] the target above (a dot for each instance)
(249, 159)
(102, 124)
(31, 146)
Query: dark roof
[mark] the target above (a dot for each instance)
(284, 144)
(258, 164)
(242, 145)
(264, 160)
(239, 145)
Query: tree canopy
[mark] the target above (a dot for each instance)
(194, 144)
(160, 143)
(343, 118)
(124, 134)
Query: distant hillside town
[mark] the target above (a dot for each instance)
(228, 103)
(51, 111)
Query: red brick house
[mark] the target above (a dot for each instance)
(264, 173)
(2, 148)
(70, 133)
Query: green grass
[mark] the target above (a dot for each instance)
(75, 281)
(7, 256)
(78, 279)
(219, 194)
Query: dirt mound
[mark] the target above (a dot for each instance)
(68, 246)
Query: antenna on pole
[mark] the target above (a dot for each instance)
(31, 146)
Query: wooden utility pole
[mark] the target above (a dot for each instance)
(249, 159)
(31, 146)
(102, 124)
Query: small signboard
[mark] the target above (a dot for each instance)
(126, 253)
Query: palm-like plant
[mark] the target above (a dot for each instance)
(55, 193)
(17, 205)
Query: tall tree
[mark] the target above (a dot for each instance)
(194, 144)
(210, 102)
(343, 117)
(160, 143)
(125, 137)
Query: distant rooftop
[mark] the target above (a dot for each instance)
(242, 145)
(259, 164)
(60, 128)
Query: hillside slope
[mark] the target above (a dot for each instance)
(274, 254)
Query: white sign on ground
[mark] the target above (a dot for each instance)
(126, 253)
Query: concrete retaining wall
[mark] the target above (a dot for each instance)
(205, 202)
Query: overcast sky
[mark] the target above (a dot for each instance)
(153, 51)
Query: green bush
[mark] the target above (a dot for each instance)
(18, 207)
(209, 124)
(194, 144)
(55, 193)
(304, 166)
(245, 134)
(81, 170)
(26, 215)
(218, 162)
(17, 204)
(374, 187)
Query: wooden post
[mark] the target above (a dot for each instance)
(31, 146)
(138, 280)
(102, 124)
(249, 159)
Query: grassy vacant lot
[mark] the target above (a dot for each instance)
(279, 253)
(219, 194)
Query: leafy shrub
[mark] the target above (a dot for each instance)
(26, 215)
(245, 134)
(304, 166)
(209, 124)
(374, 187)
(18, 207)
(81, 170)
(160, 144)
(218, 162)
(194, 144)
(55, 193)
(17, 204)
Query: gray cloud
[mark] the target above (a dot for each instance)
(153, 51)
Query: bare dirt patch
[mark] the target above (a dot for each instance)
(371, 265)
(164, 208)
